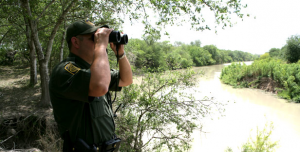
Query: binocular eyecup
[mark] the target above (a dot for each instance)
(117, 38)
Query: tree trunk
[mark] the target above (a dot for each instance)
(61, 54)
(44, 76)
(33, 70)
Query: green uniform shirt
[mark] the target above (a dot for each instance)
(88, 118)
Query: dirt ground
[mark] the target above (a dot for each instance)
(17, 97)
(22, 123)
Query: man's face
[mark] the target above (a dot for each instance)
(86, 45)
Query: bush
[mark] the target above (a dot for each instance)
(261, 142)
(233, 74)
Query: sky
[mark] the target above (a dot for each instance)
(270, 24)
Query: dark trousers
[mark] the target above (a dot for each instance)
(67, 146)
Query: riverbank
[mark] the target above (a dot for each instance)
(268, 74)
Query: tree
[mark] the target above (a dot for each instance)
(186, 59)
(200, 56)
(185, 63)
(292, 52)
(173, 61)
(213, 50)
(31, 46)
(150, 54)
(224, 56)
(274, 52)
(196, 43)
(178, 43)
(161, 112)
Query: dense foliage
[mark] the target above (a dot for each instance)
(160, 55)
(165, 56)
(286, 75)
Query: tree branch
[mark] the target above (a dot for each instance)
(211, 8)
(53, 33)
(9, 137)
(167, 137)
(148, 141)
(4, 25)
(4, 35)
(45, 10)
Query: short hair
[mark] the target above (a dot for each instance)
(70, 42)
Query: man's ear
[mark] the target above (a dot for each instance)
(75, 42)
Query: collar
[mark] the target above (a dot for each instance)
(79, 61)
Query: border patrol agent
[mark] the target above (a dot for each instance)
(79, 88)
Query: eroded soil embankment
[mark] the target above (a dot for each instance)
(263, 83)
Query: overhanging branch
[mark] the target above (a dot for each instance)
(4, 35)
(45, 10)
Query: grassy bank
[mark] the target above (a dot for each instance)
(269, 74)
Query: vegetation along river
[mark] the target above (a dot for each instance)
(246, 110)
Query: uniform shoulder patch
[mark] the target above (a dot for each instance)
(71, 68)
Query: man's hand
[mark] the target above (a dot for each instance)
(120, 49)
(124, 66)
(101, 37)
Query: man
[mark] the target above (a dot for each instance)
(79, 86)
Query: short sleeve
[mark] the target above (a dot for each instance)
(115, 79)
(71, 85)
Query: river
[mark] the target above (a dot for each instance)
(246, 110)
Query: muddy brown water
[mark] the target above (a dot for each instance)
(246, 110)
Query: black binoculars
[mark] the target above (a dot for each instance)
(116, 37)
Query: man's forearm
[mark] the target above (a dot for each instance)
(125, 72)
(100, 73)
